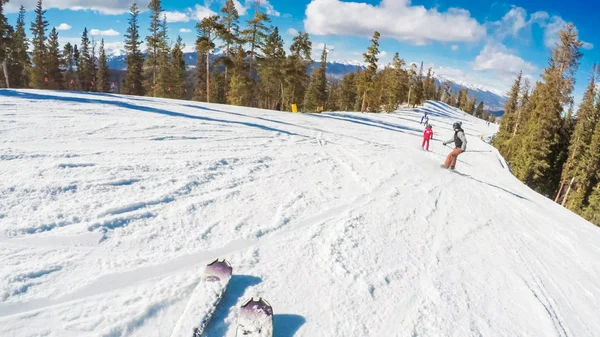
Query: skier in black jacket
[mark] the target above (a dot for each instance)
(460, 145)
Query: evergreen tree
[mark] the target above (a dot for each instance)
(296, 71)
(418, 90)
(479, 112)
(103, 83)
(471, 105)
(255, 35)
(208, 30)
(366, 80)
(134, 59)
(592, 211)
(401, 80)
(239, 91)
(85, 70)
(6, 37)
(507, 123)
(178, 69)
(463, 99)
(229, 34)
(20, 64)
(163, 83)
(316, 94)
(155, 45)
(271, 71)
(540, 157)
(53, 62)
(69, 64)
(38, 30)
(348, 94)
(575, 166)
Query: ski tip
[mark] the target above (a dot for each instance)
(220, 261)
(258, 304)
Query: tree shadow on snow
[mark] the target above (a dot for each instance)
(125, 105)
(287, 325)
(233, 296)
(492, 185)
(369, 122)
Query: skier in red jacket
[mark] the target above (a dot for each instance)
(427, 135)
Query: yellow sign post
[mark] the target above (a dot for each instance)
(294, 108)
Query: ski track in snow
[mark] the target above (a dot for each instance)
(110, 206)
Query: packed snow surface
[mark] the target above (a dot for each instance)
(111, 206)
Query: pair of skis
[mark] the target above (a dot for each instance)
(255, 318)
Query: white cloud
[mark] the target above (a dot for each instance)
(454, 47)
(512, 23)
(185, 30)
(200, 12)
(108, 32)
(552, 27)
(240, 8)
(498, 58)
(383, 53)
(265, 4)
(110, 7)
(292, 31)
(63, 26)
(176, 16)
(496, 83)
(393, 19)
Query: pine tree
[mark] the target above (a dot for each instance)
(366, 80)
(154, 44)
(239, 91)
(6, 37)
(592, 211)
(540, 157)
(271, 71)
(582, 136)
(507, 123)
(69, 65)
(348, 94)
(178, 70)
(20, 64)
(401, 81)
(296, 71)
(229, 34)
(163, 84)
(316, 94)
(418, 90)
(463, 99)
(53, 62)
(471, 105)
(208, 30)
(479, 112)
(85, 70)
(102, 83)
(38, 30)
(255, 35)
(134, 59)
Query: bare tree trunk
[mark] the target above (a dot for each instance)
(562, 185)
(364, 101)
(208, 76)
(567, 194)
(5, 69)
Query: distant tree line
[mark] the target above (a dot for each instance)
(550, 147)
(254, 69)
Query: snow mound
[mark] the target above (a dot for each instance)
(110, 206)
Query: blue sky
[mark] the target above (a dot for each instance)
(483, 42)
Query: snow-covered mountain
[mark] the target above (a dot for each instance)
(493, 101)
(111, 206)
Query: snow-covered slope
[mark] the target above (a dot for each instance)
(110, 206)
